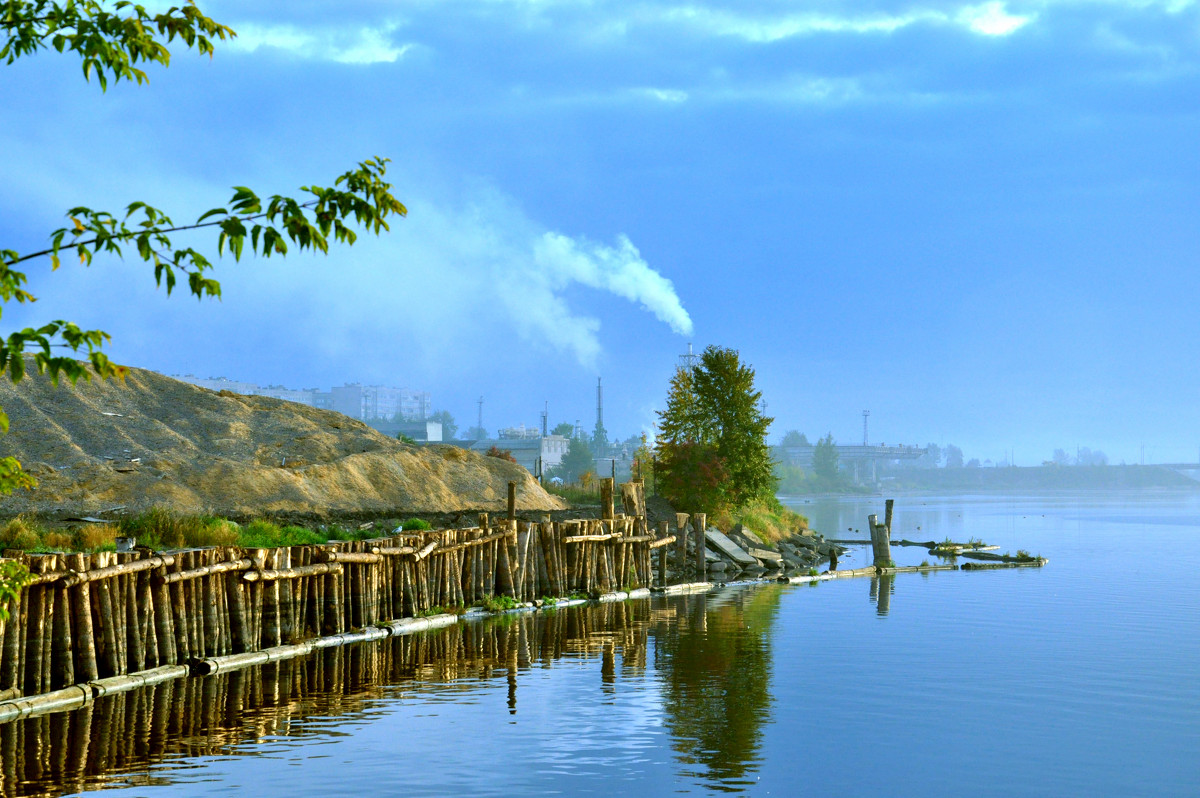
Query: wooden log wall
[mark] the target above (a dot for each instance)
(131, 732)
(89, 616)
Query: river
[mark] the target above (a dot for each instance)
(1078, 678)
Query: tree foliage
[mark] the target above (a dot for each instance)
(825, 458)
(578, 460)
(711, 446)
(795, 438)
(449, 425)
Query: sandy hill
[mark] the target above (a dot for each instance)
(154, 440)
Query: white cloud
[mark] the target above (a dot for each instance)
(673, 96)
(992, 19)
(358, 46)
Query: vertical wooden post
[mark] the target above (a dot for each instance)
(699, 524)
(63, 652)
(664, 529)
(606, 499)
(880, 542)
(33, 682)
(681, 522)
(512, 501)
(887, 516)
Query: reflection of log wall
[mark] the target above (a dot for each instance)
(127, 733)
(88, 616)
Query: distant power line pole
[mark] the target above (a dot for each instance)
(866, 413)
(479, 422)
(546, 419)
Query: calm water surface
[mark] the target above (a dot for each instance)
(1076, 679)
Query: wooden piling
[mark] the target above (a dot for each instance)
(699, 525)
(681, 523)
(606, 498)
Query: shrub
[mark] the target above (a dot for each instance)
(266, 535)
(58, 541)
(18, 533)
(415, 523)
(95, 537)
(502, 454)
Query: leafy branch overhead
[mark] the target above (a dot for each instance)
(109, 42)
(360, 196)
(112, 39)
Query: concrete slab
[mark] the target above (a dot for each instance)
(727, 547)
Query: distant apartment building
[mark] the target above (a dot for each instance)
(369, 402)
(364, 402)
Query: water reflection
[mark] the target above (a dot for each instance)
(716, 668)
(882, 588)
(709, 685)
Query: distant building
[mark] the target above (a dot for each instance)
(527, 451)
(520, 432)
(419, 431)
(368, 402)
(364, 402)
(304, 397)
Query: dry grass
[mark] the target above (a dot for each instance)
(20, 533)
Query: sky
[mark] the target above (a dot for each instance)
(976, 220)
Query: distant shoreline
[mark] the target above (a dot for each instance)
(1009, 478)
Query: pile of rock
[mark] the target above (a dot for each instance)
(742, 554)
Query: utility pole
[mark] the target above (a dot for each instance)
(479, 422)
(866, 413)
(546, 419)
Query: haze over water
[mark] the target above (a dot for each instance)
(1073, 679)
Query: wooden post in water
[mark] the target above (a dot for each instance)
(664, 529)
(880, 542)
(887, 516)
(699, 524)
(606, 499)
(681, 522)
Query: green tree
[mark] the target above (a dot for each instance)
(825, 459)
(712, 449)
(577, 461)
(111, 39)
(953, 456)
(564, 429)
(795, 438)
(449, 427)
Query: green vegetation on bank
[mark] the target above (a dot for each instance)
(160, 529)
(766, 518)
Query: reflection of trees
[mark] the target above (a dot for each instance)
(716, 685)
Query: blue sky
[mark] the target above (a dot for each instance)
(977, 220)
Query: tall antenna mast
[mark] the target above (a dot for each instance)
(599, 405)
(479, 423)
(545, 418)
(688, 362)
(865, 414)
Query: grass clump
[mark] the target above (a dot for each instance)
(415, 523)
(813, 572)
(266, 535)
(498, 603)
(20, 533)
(574, 494)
